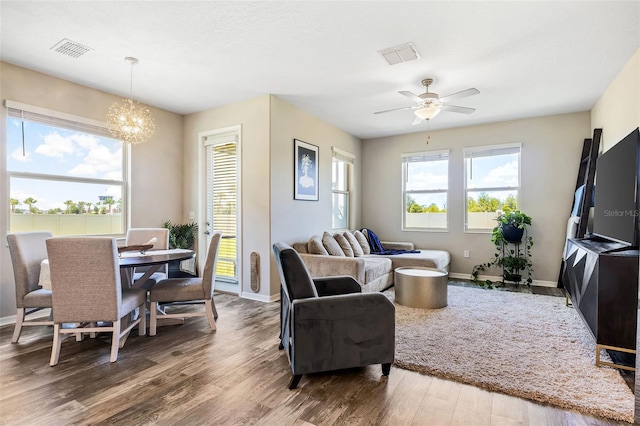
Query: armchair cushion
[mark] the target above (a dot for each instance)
(330, 286)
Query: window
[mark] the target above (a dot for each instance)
(222, 202)
(340, 183)
(425, 187)
(65, 174)
(492, 183)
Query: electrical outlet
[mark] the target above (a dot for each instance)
(192, 216)
(466, 253)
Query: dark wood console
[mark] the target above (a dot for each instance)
(601, 279)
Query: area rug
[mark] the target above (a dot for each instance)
(526, 345)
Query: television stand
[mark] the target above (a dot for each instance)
(601, 280)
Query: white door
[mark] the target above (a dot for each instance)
(222, 208)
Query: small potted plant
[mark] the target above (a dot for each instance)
(181, 236)
(507, 236)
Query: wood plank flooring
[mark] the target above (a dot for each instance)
(188, 375)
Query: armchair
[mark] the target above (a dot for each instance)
(328, 323)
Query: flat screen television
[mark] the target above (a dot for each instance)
(617, 208)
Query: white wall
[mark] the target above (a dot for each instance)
(253, 117)
(617, 112)
(551, 148)
(156, 178)
(295, 220)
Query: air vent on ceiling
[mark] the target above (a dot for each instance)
(71, 48)
(401, 53)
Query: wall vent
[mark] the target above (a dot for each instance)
(71, 48)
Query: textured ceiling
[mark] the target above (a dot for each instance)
(526, 58)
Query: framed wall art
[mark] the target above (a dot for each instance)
(305, 185)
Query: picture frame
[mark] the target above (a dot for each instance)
(305, 175)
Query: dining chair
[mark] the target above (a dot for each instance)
(86, 290)
(188, 290)
(28, 250)
(140, 236)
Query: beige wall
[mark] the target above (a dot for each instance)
(156, 176)
(253, 118)
(551, 148)
(295, 220)
(617, 112)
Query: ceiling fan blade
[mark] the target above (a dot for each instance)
(453, 108)
(397, 109)
(458, 95)
(417, 121)
(414, 98)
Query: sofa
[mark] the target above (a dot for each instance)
(348, 253)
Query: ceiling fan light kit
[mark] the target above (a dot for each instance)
(429, 104)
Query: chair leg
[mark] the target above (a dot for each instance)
(142, 327)
(152, 318)
(208, 308)
(386, 369)
(18, 328)
(294, 381)
(215, 311)
(115, 341)
(55, 347)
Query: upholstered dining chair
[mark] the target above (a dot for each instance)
(188, 290)
(86, 290)
(28, 250)
(140, 236)
(328, 323)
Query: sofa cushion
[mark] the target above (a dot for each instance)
(315, 246)
(332, 246)
(362, 240)
(344, 244)
(353, 242)
(375, 267)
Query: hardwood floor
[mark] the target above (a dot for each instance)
(189, 375)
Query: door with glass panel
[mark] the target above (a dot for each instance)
(223, 195)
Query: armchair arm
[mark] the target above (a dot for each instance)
(329, 286)
(331, 266)
(344, 331)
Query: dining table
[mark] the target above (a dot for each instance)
(129, 260)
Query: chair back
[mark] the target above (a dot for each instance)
(295, 279)
(27, 250)
(139, 236)
(85, 279)
(209, 274)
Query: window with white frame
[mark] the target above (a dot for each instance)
(492, 184)
(66, 174)
(425, 190)
(341, 169)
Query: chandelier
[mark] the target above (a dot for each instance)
(130, 121)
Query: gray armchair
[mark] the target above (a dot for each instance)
(328, 323)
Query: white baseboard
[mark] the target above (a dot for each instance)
(462, 276)
(11, 319)
(260, 297)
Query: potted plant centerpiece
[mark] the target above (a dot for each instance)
(181, 236)
(513, 249)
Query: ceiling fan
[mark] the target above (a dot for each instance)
(430, 104)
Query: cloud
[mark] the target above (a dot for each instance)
(99, 160)
(55, 145)
(505, 175)
(17, 155)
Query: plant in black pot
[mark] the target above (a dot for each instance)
(181, 236)
(513, 249)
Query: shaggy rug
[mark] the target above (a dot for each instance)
(526, 345)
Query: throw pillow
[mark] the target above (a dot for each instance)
(353, 242)
(362, 240)
(332, 246)
(344, 244)
(315, 246)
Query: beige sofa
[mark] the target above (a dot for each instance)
(373, 272)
